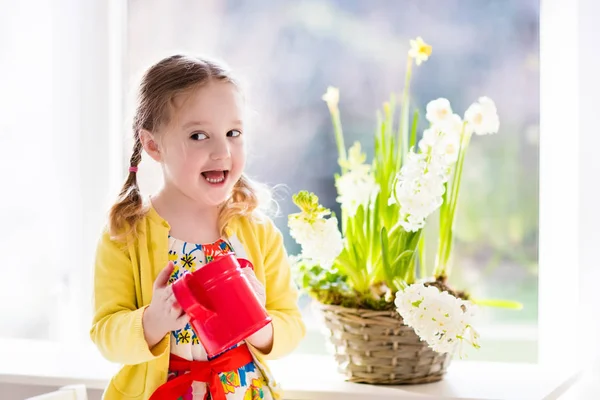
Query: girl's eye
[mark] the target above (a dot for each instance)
(198, 136)
(234, 133)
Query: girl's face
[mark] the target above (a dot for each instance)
(202, 149)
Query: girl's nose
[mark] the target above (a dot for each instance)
(220, 150)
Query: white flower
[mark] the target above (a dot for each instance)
(419, 50)
(440, 319)
(356, 186)
(332, 98)
(419, 186)
(438, 110)
(482, 117)
(443, 139)
(319, 237)
(418, 190)
(354, 189)
(320, 240)
(452, 125)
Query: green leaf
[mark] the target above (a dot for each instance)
(413, 130)
(376, 273)
(363, 281)
(401, 263)
(497, 303)
(349, 268)
(359, 239)
(402, 256)
(385, 254)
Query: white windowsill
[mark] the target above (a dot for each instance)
(303, 377)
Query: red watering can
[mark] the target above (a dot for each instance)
(221, 304)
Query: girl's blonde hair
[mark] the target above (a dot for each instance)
(170, 77)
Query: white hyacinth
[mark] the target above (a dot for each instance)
(319, 237)
(419, 189)
(420, 184)
(357, 185)
(482, 117)
(320, 240)
(440, 319)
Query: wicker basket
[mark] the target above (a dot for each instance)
(376, 347)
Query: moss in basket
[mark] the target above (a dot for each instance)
(329, 286)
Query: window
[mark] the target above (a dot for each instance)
(488, 48)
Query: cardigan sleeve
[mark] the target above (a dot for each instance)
(117, 328)
(282, 294)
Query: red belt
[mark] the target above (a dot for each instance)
(202, 371)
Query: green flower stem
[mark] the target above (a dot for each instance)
(447, 218)
(422, 260)
(403, 126)
(508, 304)
(413, 130)
(412, 244)
(339, 138)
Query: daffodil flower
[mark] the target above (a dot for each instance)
(419, 50)
(482, 117)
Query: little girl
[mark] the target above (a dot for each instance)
(190, 120)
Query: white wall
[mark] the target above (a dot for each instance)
(589, 177)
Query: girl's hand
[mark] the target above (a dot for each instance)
(263, 339)
(164, 314)
(258, 287)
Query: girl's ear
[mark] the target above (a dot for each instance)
(150, 145)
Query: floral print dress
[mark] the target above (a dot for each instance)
(247, 383)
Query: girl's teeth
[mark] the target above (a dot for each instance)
(215, 176)
(215, 180)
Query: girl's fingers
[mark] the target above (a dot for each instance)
(162, 279)
(176, 309)
(171, 299)
(182, 320)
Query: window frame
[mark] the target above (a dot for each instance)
(564, 38)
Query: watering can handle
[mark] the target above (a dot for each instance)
(245, 263)
(188, 303)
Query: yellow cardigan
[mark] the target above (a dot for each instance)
(123, 281)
